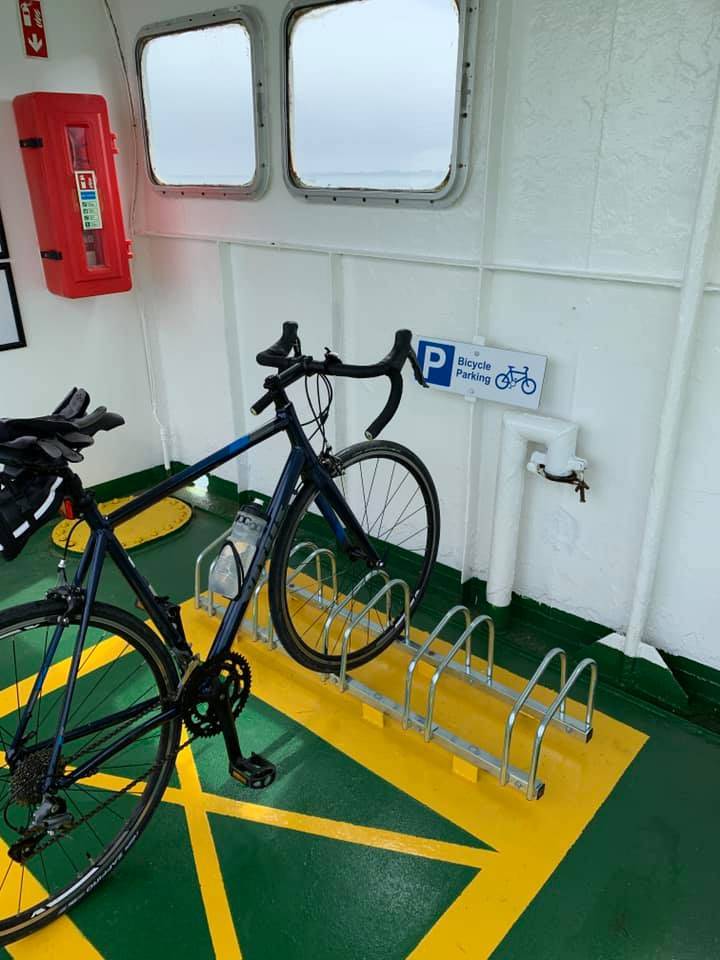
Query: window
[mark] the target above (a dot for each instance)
(372, 98)
(200, 91)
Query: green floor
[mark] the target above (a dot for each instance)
(641, 882)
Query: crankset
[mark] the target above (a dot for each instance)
(232, 676)
(213, 697)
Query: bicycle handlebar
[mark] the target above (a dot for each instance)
(292, 368)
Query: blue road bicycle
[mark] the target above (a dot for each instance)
(93, 702)
(513, 377)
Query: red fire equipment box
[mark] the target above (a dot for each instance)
(68, 151)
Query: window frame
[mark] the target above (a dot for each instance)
(449, 191)
(250, 19)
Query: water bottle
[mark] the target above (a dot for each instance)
(246, 532)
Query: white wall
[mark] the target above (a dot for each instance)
(92, 342)
(589, 127)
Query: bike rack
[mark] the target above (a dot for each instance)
(384, 591)
(212, 606)
(199, 602)
(424, 723)
(349, 600)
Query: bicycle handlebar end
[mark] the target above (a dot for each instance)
(390, 408)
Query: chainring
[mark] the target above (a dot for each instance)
(233, 671)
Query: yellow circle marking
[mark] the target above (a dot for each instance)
(154, 523)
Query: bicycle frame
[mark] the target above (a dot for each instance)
(302, 463)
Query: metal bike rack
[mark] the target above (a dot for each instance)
(316, 554)
(349, 600)
(213, 606)
(424, 723)
(384, 591)
(200, 603)
(558, 706)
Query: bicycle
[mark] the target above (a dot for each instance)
(92, 724)
(512, 377)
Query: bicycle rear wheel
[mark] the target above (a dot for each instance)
(123, 665)
(314, 599)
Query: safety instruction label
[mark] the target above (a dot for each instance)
(484, 373)
(89, 200)
(32, 25)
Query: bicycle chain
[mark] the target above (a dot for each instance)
(48, 841)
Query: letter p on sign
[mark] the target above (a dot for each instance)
(436, 361)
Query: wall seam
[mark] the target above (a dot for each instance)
(598, 161)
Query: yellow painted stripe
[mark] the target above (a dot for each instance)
(531, 838)
(95, 657)
(21, 890)
(318, 826)
(212, 887)
(348, 832)
(60, 939)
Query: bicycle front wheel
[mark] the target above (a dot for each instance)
(318, 589)
(126, 677)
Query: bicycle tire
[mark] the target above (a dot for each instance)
(528, 382)
(502, 381)
(115, 623)
(280, 566)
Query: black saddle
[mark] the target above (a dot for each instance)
(53, 441)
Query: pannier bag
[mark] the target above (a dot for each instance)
(27, 500)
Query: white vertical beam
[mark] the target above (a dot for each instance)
(689, 311)
(238, 401)
(339, 345)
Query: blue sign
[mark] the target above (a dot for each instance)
(436, 362)
(487, 373)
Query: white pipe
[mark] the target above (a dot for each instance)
(689, 309)
(519, 429)
(162, 429)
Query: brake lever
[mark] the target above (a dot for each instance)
(331, 357)
(412, 357)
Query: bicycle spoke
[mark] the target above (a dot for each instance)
(94, 820)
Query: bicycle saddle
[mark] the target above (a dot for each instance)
(57, 439)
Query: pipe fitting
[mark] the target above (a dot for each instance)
(558, 462)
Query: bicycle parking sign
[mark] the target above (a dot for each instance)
(486, 373)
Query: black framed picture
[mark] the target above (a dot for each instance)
(4, 252)
(12, 334)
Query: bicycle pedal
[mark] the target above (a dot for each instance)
(254, 771)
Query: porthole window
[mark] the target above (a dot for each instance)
(201, 84)
(375, 99)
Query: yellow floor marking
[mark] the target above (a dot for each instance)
(61, 938)
(158, 521)
(531, 838)
(212, 887)
(99, 655)
(349, 832)
(460, 854)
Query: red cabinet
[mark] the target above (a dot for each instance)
(68, 152)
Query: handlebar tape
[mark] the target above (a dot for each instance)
(390, 408)
(278, 356)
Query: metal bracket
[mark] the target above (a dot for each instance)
(522, 702)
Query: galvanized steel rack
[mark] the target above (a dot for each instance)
(425, 723)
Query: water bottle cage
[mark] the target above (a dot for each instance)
(239, 569)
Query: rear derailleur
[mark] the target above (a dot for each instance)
(213, 696)
(50, 818)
